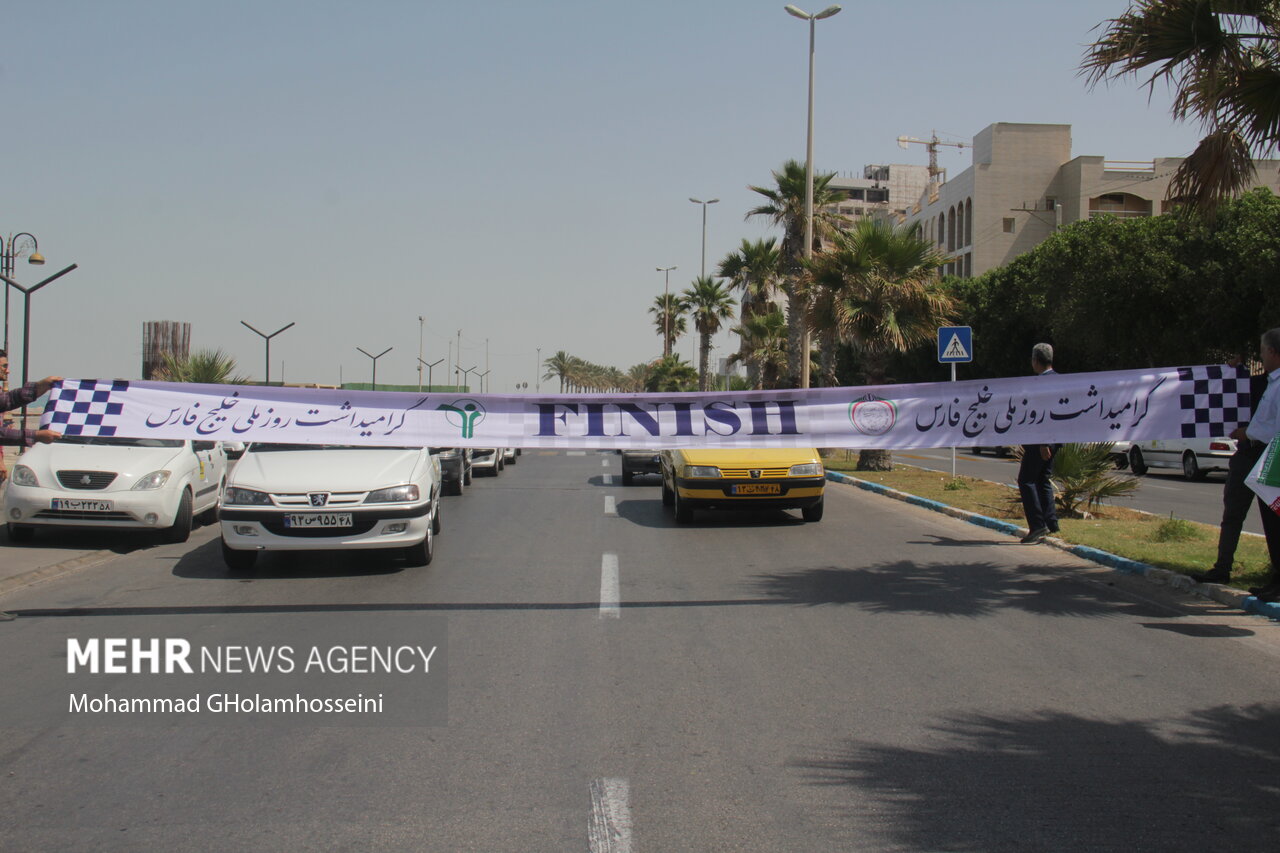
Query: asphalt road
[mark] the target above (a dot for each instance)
(1161, 490)
(886, 679)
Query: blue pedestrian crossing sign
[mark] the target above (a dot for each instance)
(955, 344)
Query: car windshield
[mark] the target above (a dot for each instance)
(113, 441)
(259, 447)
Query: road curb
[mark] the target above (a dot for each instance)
(44, 573)
(1226, 595)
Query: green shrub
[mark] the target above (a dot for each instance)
(1176, 530)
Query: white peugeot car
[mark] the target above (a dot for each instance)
(323, 497)
(129, 483)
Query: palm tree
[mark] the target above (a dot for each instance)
(753, 270)
(784, 207)
(764, 347)
(207, 366)
(669, 310)
(559, 366)
(1222, 58)
(710, 304)
(671, 374)
(878, 290)
(638, 376)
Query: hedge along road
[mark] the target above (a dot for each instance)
(886, 678)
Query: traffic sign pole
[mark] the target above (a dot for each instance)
(955, 344)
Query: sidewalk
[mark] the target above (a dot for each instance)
(50, 555)
(1226, 595)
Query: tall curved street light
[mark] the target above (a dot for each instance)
(808, 174)
(666, 310)
(430, 365)
(704, 228)
(374, 380)
(26, 319)
(465, 374)
(18, 245)
(266, 377)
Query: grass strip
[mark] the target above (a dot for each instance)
(1181, 545)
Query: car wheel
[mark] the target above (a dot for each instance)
(813, 513)
(668, 496)
(21, 533)
(238, 561)
(435, 518)
(1136, 465)
(628, 477)
(180, 530)
(684, 512)
(1190, 467)
(421, 554)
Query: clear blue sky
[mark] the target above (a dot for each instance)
(515, 170)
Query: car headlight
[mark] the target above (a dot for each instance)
(24, 476)
(154, 480)
(809, 469)
(245, 497)
(395, 494)
(701, 471)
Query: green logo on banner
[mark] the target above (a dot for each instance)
(464, 414)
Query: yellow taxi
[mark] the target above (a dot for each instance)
(746, 479)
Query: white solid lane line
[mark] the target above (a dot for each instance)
(610, 506)
(610, 595)
(609, 830)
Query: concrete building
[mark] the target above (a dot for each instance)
(887, 191)
(1024, 183)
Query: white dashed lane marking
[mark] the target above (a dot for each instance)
(610, 506)
(610, 596)
(609, 829)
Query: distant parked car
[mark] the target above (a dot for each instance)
(488, 460)
(157, 484)
(639, 462)
(509, 455)
(1195, 456)
(455, 467)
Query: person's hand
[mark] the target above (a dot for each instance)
(1238, 434)
(45, 384)
(47, 436)
(1046, 453)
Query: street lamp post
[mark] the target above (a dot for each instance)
(266, 378)
(537, 374)
(808, 173)
(666, 310)
(704, 229)
(17, 245)
(484, 382)
(374, 380)
(429, 365)
(421, 321)
(26, 322)
(464, 374)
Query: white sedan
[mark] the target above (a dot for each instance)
(323, 497)
(130, 483)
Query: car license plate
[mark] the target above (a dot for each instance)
(78, 505)
(757, 489)
(318, 519)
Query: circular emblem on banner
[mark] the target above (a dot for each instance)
(873, 417)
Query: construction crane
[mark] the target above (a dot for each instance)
(932, 144)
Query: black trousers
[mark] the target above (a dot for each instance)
(1237, 500)
(1036, 488)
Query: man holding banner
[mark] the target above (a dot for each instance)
(1035, 472)
(1262, 430)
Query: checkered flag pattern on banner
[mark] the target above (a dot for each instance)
(1214, 400)
(83, 407)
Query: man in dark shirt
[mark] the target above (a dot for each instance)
(1035, 473)
(1237, 497)
(24, 396)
